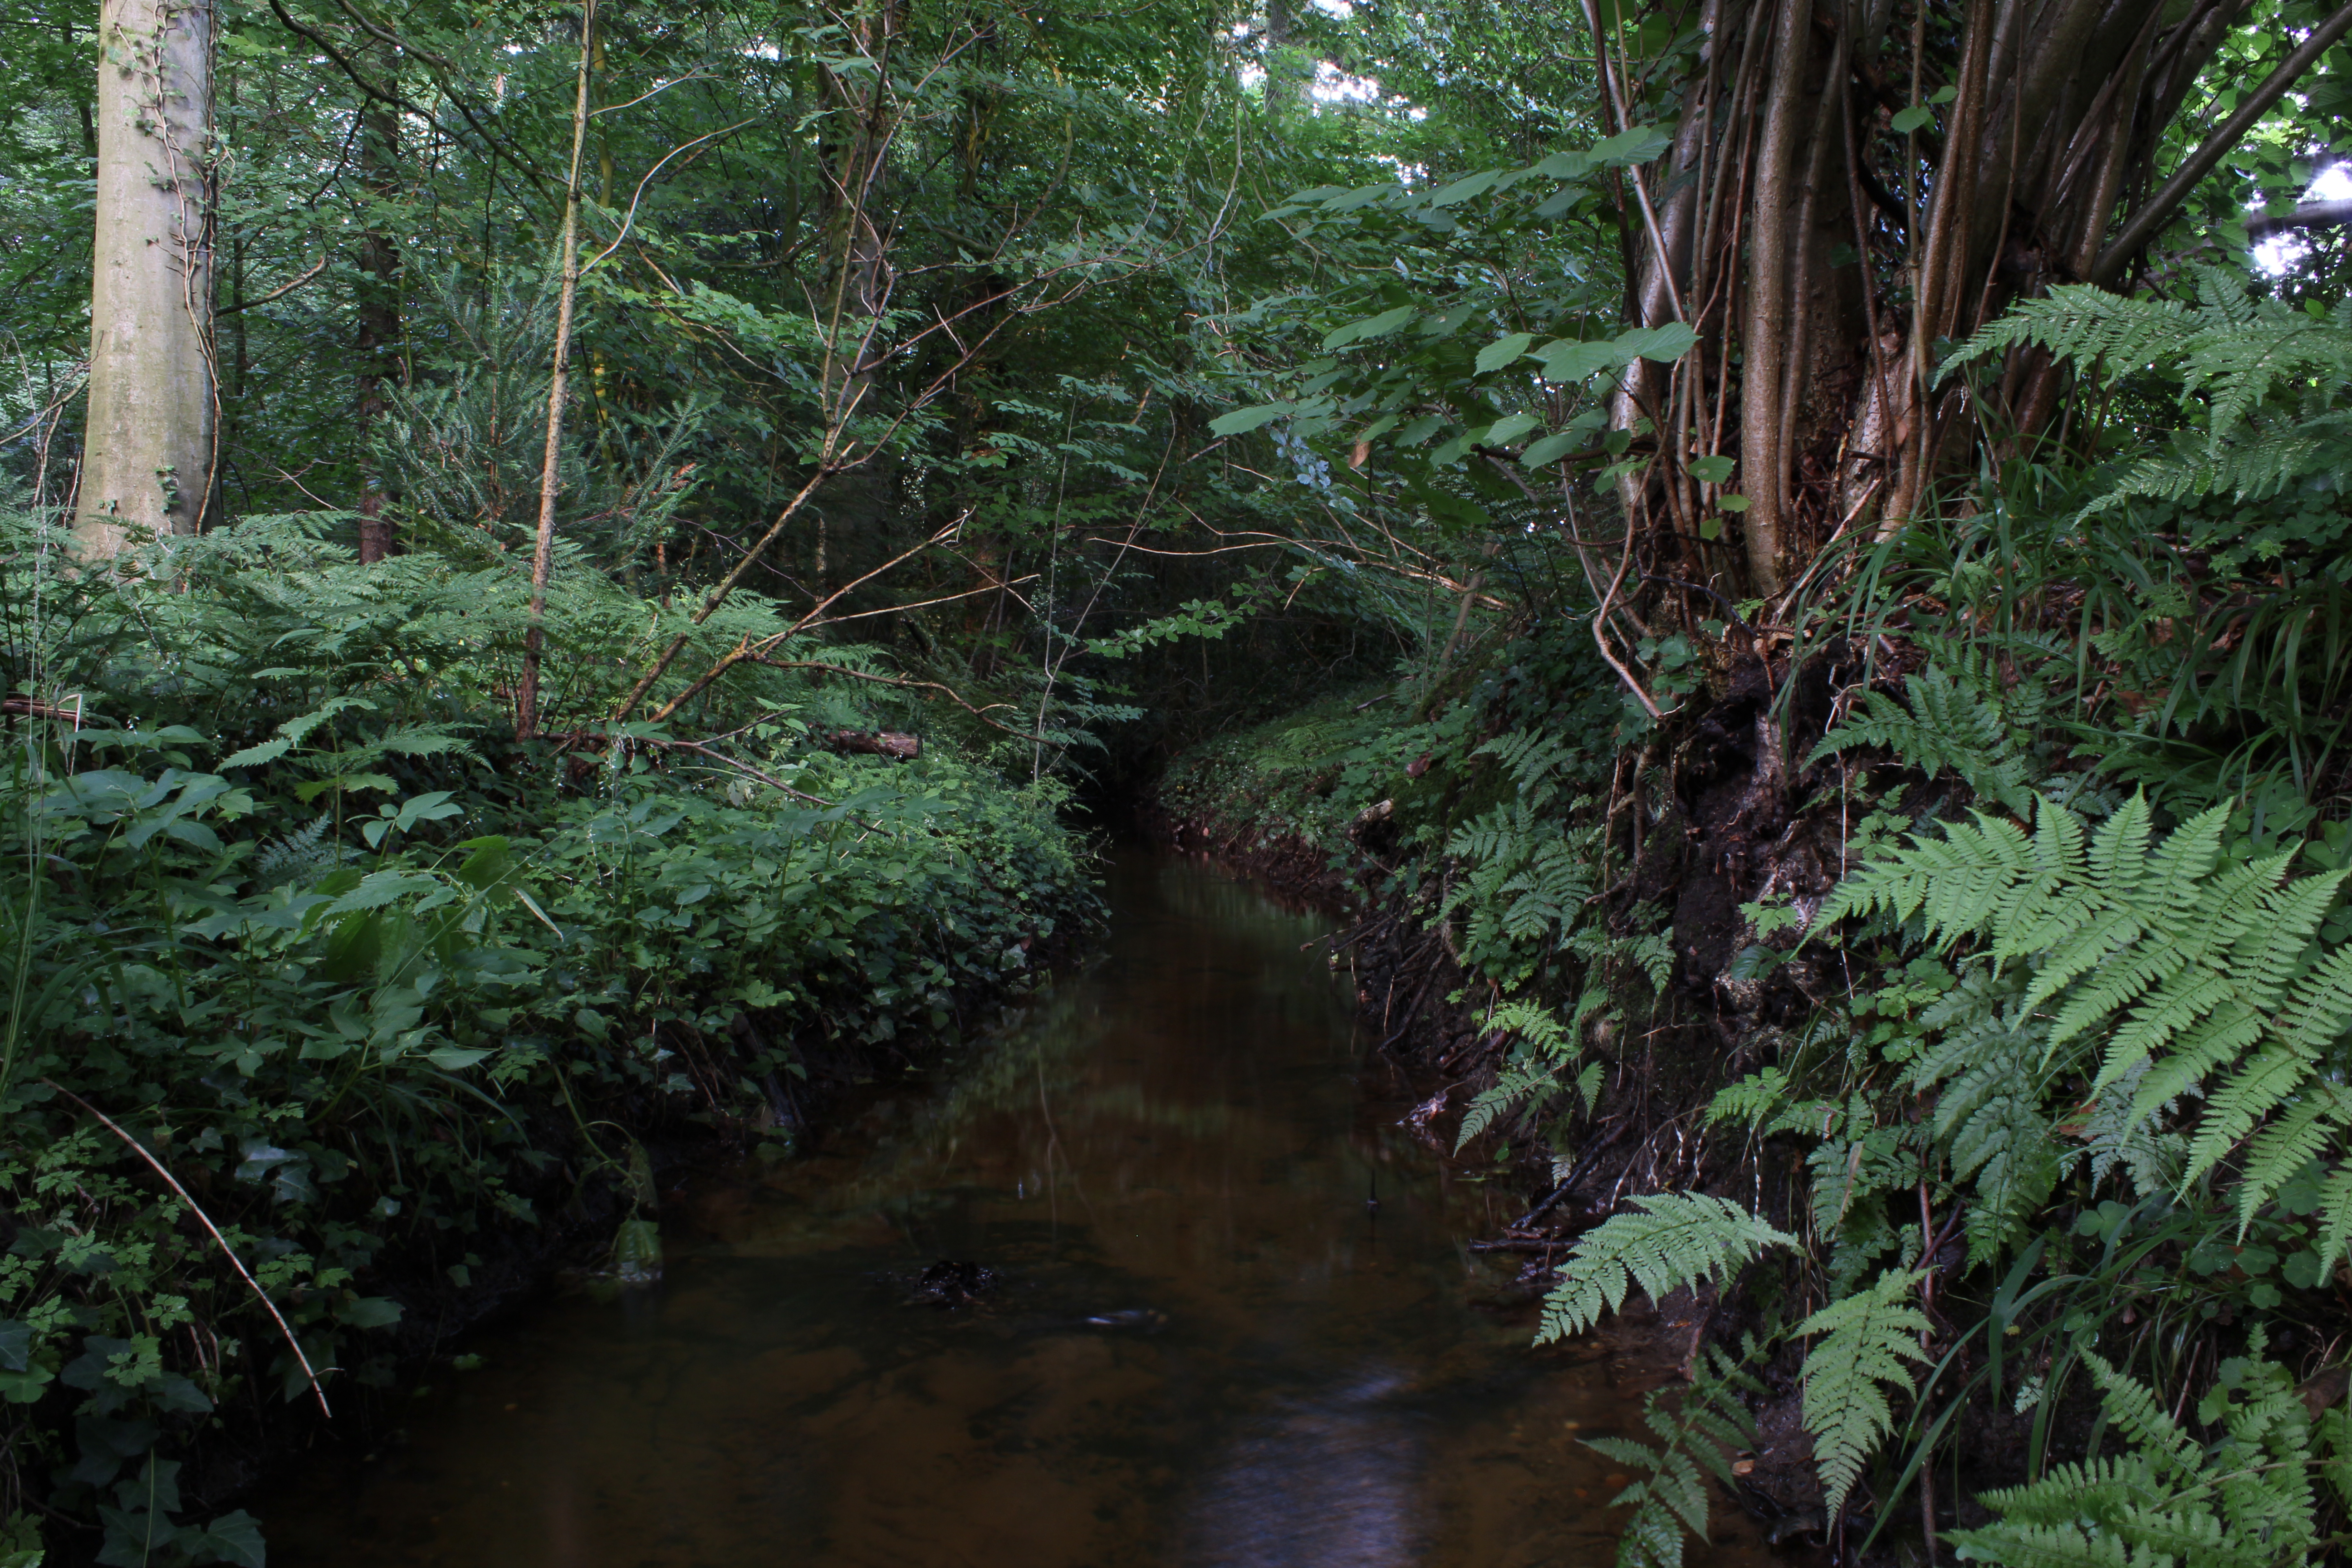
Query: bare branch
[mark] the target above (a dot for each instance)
(2310, 215)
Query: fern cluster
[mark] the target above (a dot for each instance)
(1958, 723)
(2259, 375)
(1864, 1340)
(2161, 973)
(1706, 1422)
(2245, 1502)
(1668, 1241)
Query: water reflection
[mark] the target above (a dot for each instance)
(1335, 1479)
(1205, 1346)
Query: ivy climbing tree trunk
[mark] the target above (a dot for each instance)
(149, 446)
(1851, 184)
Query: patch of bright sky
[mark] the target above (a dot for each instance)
(2282, 252)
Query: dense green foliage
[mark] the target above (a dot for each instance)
(382, 988)
(1955, 939)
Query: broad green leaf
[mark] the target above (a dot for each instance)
(1550, 450)
(1910, 119)
(1568, 361)
(1240, 422)
(1505, 431)
(369, 1312)
(1710, 470)
(1503, 350)
(1635, 144)
(1370, 327)
(1664, 345)
(1470, 185)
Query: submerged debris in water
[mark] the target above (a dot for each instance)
(953, 1284)
(1140, 1318)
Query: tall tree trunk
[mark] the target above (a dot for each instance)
(148, 454)
(378, 343)
(551, 471)
(1794, 215)
(860, 124)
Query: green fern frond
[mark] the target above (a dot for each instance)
(1696, 1433)
(2190, 974)
(2107, 1484)
(2286, 1146)
(2246, 1502)
(1518, 1085)
(1750, 1100)
(1675, 1239)
(1953, 725)
(1956, 882)
(1532, 759)
(2334, 1227)
(2135, 1410)
(2043, 1546)
(1865, 1339)
(2231, 354)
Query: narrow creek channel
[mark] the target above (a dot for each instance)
(1236, 1323)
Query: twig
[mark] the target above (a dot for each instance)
(277, 293)
(263, 1296)
(722, 757)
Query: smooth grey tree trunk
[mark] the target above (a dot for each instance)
(147, 456)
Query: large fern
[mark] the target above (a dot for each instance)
(1673, 1240)
(2259, 376)
(1546, 1050)
(1696, 1435)
(1865, 1339)
(2245, 1502)
(2187, 973)
(1956, 724)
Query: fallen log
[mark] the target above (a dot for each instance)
(876, 743)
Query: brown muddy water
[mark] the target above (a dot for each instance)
(1237, 1323)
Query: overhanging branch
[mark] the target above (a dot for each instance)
(2151, 218)
(2310, 215)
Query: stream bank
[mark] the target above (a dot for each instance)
(1465, 873)
(1164, 1272)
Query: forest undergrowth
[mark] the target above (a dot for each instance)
(325, 995)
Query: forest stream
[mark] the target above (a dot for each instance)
(1228, 1316)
